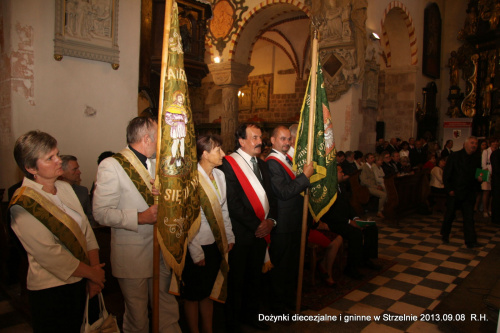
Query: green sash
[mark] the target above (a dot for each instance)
(213, 212)
(55, 219)
(137, 173)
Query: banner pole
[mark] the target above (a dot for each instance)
(156, 246)
(312, 114)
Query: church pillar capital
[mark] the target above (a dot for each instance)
(230, 73)
(230, 76)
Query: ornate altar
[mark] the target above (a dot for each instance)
(477, 58)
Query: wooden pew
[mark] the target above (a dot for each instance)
(360, 194)
(406, 195)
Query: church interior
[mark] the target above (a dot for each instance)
(392, 69)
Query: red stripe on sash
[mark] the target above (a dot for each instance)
(287, 169)
(247, 188)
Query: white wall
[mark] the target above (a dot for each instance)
(63, 90)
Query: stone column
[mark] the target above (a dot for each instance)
(230, 76)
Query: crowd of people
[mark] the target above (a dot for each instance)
(467, 177)
(251, 213)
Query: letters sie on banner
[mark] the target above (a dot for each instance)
(179, 204)
(323, 190)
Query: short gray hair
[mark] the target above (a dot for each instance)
(138, 127)
(65, 159)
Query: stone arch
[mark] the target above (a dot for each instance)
(243, 40)
(398, 5)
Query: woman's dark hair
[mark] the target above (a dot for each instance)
(30, 147)
(207, 143)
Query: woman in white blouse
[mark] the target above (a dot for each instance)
(49, 220)
(206, 261)
(436, 182)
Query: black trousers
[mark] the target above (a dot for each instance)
(244, 280)
(58, 309)
(465, 204)
(285, 254)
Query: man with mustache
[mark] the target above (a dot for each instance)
(252, 209)
(285, 238)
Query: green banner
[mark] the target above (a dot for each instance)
(179, 204)
(323, 190)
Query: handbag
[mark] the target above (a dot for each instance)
(106, 322)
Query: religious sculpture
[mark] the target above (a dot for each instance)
(454, 71)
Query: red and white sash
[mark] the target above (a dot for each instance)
(281, 159)
(251, 185)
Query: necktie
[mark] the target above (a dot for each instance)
(289, 160)
(256, 168)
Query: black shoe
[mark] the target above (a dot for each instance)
(260, 325)
(474, 245)
(371, 265)
(445, 239)
(353, 273)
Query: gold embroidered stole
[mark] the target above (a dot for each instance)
(55, 219)
(211, 207)
(137, 173)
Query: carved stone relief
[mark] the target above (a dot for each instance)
(342, 44)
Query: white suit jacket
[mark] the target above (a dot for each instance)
(116, 203)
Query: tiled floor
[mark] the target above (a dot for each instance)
(426, 271)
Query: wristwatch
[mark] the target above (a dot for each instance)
(274, 222)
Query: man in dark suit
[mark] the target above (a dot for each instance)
(71, 174)
(362, 242)
(462, 186)
(447, 149)
(252, 209)
(417, 155)
(285, 238)
(349, 166)
(495, 186)
(392, 146)
(389, 166)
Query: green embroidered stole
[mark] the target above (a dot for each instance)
(55, 219)
(137, 173)
(211, 207)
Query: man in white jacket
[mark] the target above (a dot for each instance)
(123, 200)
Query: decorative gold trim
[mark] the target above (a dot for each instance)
(143, 172)
(469, 102)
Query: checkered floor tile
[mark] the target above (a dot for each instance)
(426, 271)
